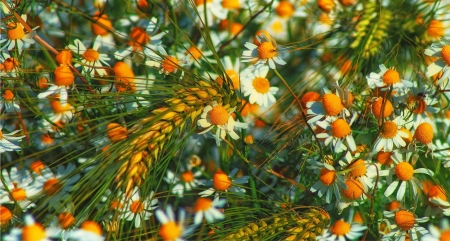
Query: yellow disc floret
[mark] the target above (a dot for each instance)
(218, 115)
(340, 128)
(261, 85)
(404, 219)
(202, 204)
(15, 31)
(357, 168)
(33, 232)
(327, 176)
(221, 181)
(377, 106)
(391, 77)
(170, 231)
(404, 171)
(424, 133)
(332, 104)
(389, 130)
(340, 228)
(446, 54)
(91, 55)
(354, 189)
(267, 50)
(169, 64)
(285, 9)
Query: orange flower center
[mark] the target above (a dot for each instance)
(137, 207)
(358, 168)
(52, 186)
(393, 206)
(91, 226)
(231, 4)
(389, 130)
(66, 220)
(404, 220)
(354, 189)
(18, 194)
(5, 215)
(10, 64)
(261, 85)
(194, 52)
(33, 232)
(309, 96)
(437, 192)
(384, 158)
(404, 171)
(267, 50)
(324, 18)
(340, 128)
(64, 57)
(377, 106)
(326, 5)
(138, 38)
(91, 55)
(37, 166)
(116, 132)
(327, 176)
(47, 139)
(218, 115)
(436, 29)
(340, 228)
(445, 236)
(424, 133)
(391, 77)
(187, 176)
(8, 95)
(221, 181)
(43, 83)
(102, 20)
(169, 64)
(115, 204)
(285, 9)
(57, 107)
(64, 76)
(332, 104)
(446, 54)
(202, 204)
(15, 31)
(124, 77)
(170, 231)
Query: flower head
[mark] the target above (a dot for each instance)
(266, 52)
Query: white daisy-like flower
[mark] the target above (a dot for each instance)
(403, 222)
(171, 230)
(165, 63)
(9, 102)
(339, 131)
(16, 36)
(330, 105)
(438, 234)
(9, 142)
(89, 230)
(438, 203)
(184, 182)
(9, 66)
(391, 135)
(207, 10)
(442, 152)
(257, 86)
(330, 181)
(342, 230)
(32, 231)
(404, 177)
(385, 78)
(91, 60)
(139, 208)
(19, 187)
(266, 52)
(63, 80)
(363, 170)
(216, 116)
(222, 182)
(205, 207)
(440, 50)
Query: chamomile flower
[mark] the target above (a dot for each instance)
(385, 78)
(342, 230)
(339, 131)
(364, 171)
(222, 182)
(61, 112)
(265, 52)
(102, 26)
(216, 116)
(438, 234)
(257, 86)
(165, 63)
(405, 177)
(139, 208)
(9, 142)
(171, 230)
(330, 105)
(440, 50)
(16, 37)
(6, 216)
(89, 230)
(19, 187)
(205, 207)
(9, 102)
(184, 182)
(438, 203)
(63, 80)
(391, 134)
(9, 66)
(424, 134)
(32, 231)
(402, 223)
(92, 61)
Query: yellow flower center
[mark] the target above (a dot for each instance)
(18, 194)
(446, 54)
(64, 57)
(58, 108)
(91, 55)
(91, 226)
(325, 19)
(327, 176)
(404, 171)
(354, 189)
(136, 207)
(261, 85)
(218, 115)
(326, 5)
(267, 50)
(221, 181)
(138, 38)
(384, 158)
(332, 104)
(8, 95)
(377, 106)
(389, 130)
(15, 31)
(64, 76)
(357, 168)
(404, 219)
(66, 220)
(52, 186)
(194, 52)
(47, 139)
(33, 232)
(169, 64)
(5, 215)
(115, 204)
(124, 77)
(10, 64)
(391, 77)
(202, 204)
(285, 9)
(437, 192)
(309, 96)
(424, 133)
(100, 20)
(340, 228)
(340, 128)
(436, 29)
(170, 231)
(231, 4)
(393, 206)
(445, 236)
(187, 176)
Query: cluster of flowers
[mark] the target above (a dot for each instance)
(365, 139)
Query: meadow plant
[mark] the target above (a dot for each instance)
(225, 120)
